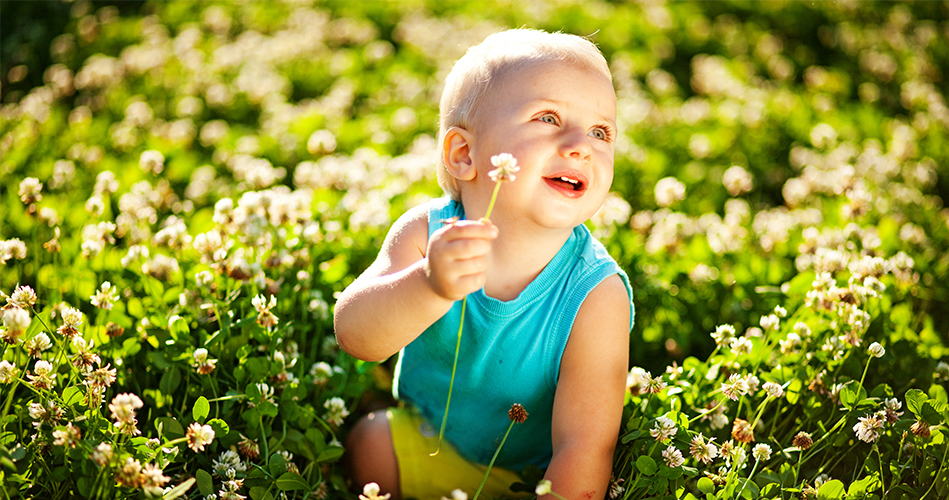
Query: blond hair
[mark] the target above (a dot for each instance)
(485, 66)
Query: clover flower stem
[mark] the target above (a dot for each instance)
(494, 197)
(491, 463)
(828, 433)
(936, 476)
(461, 325)
(6, 406)
(706, 412)
(899, 471)
(263, 439)
(864, 376)
(632, 487)
(451, 383)
(761, 408)
(750, 476)
(774, 421)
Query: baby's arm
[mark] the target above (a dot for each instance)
(413, 282)
(588, 405)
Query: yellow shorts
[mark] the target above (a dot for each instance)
(425, 477)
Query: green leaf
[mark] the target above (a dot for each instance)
(169, 428)
(84, 485)
(629, 436)
(170, 381)
(220, 427)
(292, 481)
(278, 464)
(179, 328)
(260, 493)
(205, 483)
(330, 454)
(866, 485)
(849, 397)
(200, 410)
(267, 409)
(706, 485)
(647, 465)
(914, 401)
(793, 393)
(179, 490)
(153, 287)
(831, 490)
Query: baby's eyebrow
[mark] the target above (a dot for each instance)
(547, 100)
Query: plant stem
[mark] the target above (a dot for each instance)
(491, 463)
(461, 325)
(706, 412)
(451, 383)
(494, 197)
(936, 476)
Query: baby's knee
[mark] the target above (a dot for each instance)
(370, 456)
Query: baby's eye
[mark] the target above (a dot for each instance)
(549, 118)
(599, 133)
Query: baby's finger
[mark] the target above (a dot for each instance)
(467, 248)
(470, 229)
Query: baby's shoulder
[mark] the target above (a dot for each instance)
(411, 229)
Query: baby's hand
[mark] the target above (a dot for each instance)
(457, 257)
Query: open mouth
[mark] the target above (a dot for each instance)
(566, 183)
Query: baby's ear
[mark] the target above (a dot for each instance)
(457, 150)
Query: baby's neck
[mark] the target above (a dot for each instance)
(518, 258)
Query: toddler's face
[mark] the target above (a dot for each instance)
(559, 121)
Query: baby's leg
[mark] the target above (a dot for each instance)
(370, 456)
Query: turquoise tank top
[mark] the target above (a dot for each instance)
(510, 353)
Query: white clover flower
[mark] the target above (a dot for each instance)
(23, 297)
(16, 320)
(457, 494)
(801, 329)
(741, 345)
(104, 297)
(123, 407)
(152, 161)
(8, 372)
(505, 167)
(737, 180)
(30, 190)
(723, 334)
(703, 450)
(200, 355)
(544, 487)
(260, 303)
(669, 191)
(336, 411)
(773, 389)
(868, 428)
(736, 387)
(36, 345)
(321, 372)
(665, 429)
(761, 452)
(876, 350)
(199, 435)
(673, 457)
(790, 343)
(780, 312)
(770, 322)
(371, 492)
(654, 384)
(203, 278)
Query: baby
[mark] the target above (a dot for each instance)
(548, 312)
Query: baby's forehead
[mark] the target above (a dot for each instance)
(528, 67)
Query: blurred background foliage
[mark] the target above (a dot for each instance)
(703, 86)
(757, 139)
